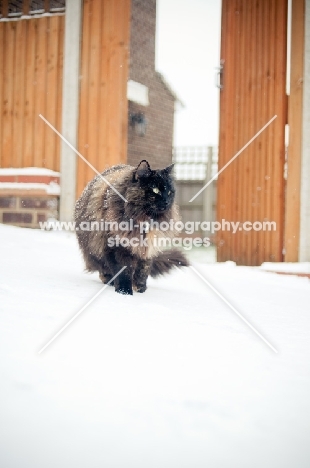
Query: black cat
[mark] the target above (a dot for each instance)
(140, 195)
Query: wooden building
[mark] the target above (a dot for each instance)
(265, 75)
(75, 62)
(72, 65)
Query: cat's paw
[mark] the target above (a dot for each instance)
(125, 291)
(140, 289)
(106, 278)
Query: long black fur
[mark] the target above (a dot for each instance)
(150, 195)
(167, 260)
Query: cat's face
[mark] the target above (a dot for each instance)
(156, 189)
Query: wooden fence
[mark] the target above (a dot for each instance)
(194, 167)
(252, 188)
(31, 68)
(103, 96)
(31, 59)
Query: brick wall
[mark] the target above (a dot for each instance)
(28, 197)
(156, 145)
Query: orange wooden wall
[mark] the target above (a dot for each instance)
(31, 58)
(103, 112)
(252, 188)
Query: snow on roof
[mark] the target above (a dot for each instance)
(50, 189)
(28, 171)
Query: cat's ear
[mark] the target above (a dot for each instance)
(168, 169)
(143, 170)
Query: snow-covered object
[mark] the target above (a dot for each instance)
(297, 267)
(30, 178)
(51, 189)
(28, 171)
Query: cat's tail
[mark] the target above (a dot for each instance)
(167, 260)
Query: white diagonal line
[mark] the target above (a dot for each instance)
(233, 309)
(233, 158)
(80, 311)
(81, 156)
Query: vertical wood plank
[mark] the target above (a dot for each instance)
(257, 246)
(94, 116)
(264, 237)
(103, 92)
(83, 115)
(40, 149)
(9, 51)
(88, 174)
(295, 104)
(23, 91)
(111, 51)
(227, 145)
(28, 159)
(271, 107)
(232, 240)
(245, 26)
(251, 189)
(2, 63)
(19, 89)
(103, 97)
(114, 96)
(124, 77)
(51, 88)
(60, 52)
(231, 143)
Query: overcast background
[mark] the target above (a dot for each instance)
(187, 53)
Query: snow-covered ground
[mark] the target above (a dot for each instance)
(171, 378)
(301, 267)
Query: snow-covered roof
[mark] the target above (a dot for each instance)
(28, 171)
(51, 188)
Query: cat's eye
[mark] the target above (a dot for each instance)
(156, 190)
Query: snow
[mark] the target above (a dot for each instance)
(300, 267)
(16, 171)
(35, 14)
(169, 378)
(51, 189)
